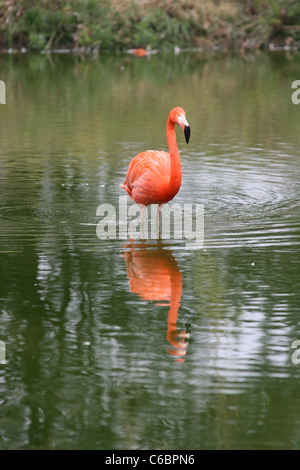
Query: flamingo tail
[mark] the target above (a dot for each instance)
(128, 190)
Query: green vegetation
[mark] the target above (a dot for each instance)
(157, 24)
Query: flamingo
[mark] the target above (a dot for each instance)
(138, 52)
(154, 177)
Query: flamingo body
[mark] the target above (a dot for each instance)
(140, 52)
(148, 178)
(154, 177)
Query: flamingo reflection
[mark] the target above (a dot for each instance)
(154, 275)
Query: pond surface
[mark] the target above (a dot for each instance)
(130, 344)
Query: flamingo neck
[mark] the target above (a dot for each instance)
(175, 176)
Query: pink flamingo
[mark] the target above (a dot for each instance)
(138, 52)
(154, 177)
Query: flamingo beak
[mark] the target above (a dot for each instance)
(185, 127)
(187, 133)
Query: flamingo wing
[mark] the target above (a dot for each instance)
(148, 177)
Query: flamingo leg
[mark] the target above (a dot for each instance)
(157, 217)
(142, 207)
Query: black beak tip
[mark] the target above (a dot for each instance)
(187, 133)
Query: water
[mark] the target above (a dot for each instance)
(149, 345)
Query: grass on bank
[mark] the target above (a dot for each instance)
(110, 25)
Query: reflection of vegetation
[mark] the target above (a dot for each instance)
(119, 24)
(237, 99)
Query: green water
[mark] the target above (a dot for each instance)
(114, 344)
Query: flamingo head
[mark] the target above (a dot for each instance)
(177, 115)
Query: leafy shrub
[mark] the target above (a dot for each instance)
(121, 24)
